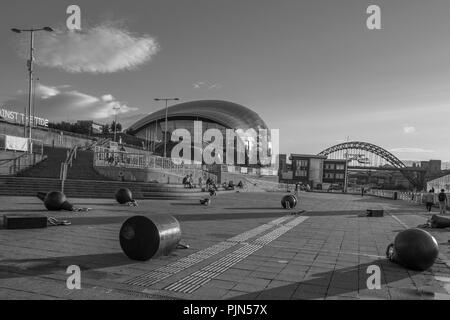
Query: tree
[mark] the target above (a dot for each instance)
(105, 129)
(118, 128)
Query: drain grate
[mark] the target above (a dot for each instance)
(194, 281)
(157, 275)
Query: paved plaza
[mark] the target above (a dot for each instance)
(242, 246)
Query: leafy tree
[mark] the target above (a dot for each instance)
(105, 129)
(119, 127)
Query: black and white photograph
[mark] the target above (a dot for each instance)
(220, 157)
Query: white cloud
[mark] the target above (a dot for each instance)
(62, 103)
(411, 150)
(45, 92)
(409, 129)
(204, 85)
(102, 49)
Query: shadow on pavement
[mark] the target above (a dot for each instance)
(343, 282)
(36, 267)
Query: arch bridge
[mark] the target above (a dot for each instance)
(365, 155)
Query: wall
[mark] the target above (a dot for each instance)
(236, 177)
(19, 164)
(48, 137)
(440, 183)
(315, 171)
(148, 175)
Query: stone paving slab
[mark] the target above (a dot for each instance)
(326, 256)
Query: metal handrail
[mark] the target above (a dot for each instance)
(16, 166)
(72, 154)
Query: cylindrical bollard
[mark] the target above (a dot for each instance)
(143, 238)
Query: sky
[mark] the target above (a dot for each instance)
(311, 69)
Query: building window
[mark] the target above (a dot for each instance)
(339, 176)
(301, 163)
(301, 173)
(329, 176)
(329, 166)
(340, 167)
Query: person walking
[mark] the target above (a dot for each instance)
(200, 182)
(429, 200)
(297, 189)
(442, 197)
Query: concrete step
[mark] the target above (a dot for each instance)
(21, 186)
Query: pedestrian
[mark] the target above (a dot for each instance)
(442, 197)
(429, 200)
(362, 192)
(190, 181)
(200, 182)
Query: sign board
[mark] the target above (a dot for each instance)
(20, 118)
(16, 143)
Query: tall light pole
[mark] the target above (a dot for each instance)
(116, 108)
(30, 76)
(165, 131)
(34, 100)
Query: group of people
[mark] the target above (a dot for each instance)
(441, 197)
(188, 181)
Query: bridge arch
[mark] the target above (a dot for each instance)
(368, 147)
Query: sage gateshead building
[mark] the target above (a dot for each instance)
(224, 116)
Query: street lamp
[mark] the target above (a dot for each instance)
(30, 76)
(115, 108)
(165, 131)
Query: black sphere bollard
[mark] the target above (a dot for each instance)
(289, 201)
(414, 249)
(54, 200)
(142, 238)
(124, 196)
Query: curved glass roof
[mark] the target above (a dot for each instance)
(228, 114)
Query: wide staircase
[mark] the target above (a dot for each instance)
(26, 186)
(83, 181)
(82, 166)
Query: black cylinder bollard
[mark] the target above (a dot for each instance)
(414, 249)
(439, 222)
(289, 201)
(143, 238)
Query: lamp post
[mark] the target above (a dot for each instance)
(115, 108)
(34, 100)
(30, 77)
(165, 131)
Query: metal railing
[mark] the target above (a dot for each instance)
(72, 154)
(104, 157)
(12, 166)
(413, 197)
(249, 170)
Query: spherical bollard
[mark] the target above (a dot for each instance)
(124, 196)
(289, 201)
(53, 200)
(142, 238)
(414, 249)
